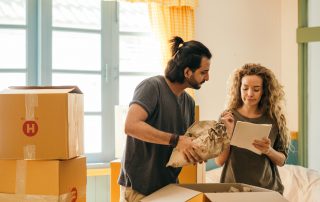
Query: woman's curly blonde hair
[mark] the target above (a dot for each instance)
(272, 99)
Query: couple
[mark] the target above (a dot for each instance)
(161, 111)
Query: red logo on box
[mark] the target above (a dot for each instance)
(30, 128)
(74, 194)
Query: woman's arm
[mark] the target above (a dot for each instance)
(276, 157)
(228, 120)
(264, 146)
(221, 159)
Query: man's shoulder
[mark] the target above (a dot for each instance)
(150, 85)
(155, 79)
(153, 82)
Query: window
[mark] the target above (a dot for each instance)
(139, 50)
(13, 35)
(104, 47)
(308, 38)
(76, 60)
(313, 63)
(139, 59)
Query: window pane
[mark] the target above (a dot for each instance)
(134, 17)
(76, 13)
(127, 84)
(12, 48)
(12, 79)
(313, 104)
(92, 134)
(120, 136)
(139, 54)
(76, 51)
(314, 13)
(13, 12)
(89, 84)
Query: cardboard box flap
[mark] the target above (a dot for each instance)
(217, 192)
(246, 196)
(171, 193)
(221, 187)
(41, 90)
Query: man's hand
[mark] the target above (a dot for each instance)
(187, 147)
(228, 120)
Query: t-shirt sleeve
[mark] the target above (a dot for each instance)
(146, 95)
(278, 146)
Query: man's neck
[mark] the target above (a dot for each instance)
(176, 88)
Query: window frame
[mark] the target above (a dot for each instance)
(305, 34)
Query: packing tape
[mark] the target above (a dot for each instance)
(35, 198)
(73, 104)
(29, 152)
(79, 124)
(21, 169)
(74, 118)
(76, 121)
(31, 102)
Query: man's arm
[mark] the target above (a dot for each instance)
(136, 127)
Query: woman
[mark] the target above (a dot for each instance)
(257, 97)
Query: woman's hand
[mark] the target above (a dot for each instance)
(264, 145)
(228, 120)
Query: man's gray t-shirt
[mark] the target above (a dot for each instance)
(144, 164)
(244, 166)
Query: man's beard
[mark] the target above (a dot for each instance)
(193, 83)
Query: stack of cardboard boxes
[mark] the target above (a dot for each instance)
(41, 143)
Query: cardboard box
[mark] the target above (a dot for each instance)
(37, 180)
(41, 123)
(217, 192)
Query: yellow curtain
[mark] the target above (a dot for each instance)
(171, 18)
(192, 3)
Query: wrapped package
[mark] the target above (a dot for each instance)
(211, 138)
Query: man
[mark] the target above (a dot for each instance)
(159, 113)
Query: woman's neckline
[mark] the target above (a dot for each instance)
(246, 117)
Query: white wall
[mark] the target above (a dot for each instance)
(289, 60)
(239, 32)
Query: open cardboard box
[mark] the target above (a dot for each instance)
(217, 192)
(41, 123)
